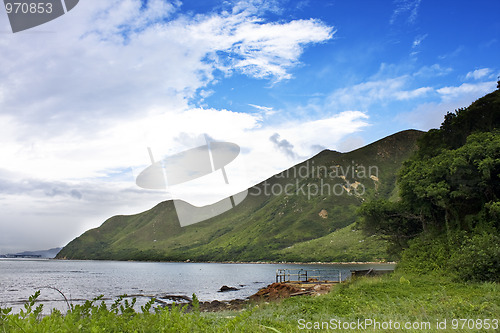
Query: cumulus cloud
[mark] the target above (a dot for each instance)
(466, 91)
(117, 73)
(479, 73)
(326, 132)
(82, 98)
(117, 58)
(269, 50)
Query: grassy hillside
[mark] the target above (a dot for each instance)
(346, 244)
(310, 201)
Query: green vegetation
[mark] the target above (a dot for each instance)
(265, 224)
(448, 217)
(442, 219)
(343, 245)
(399, 297)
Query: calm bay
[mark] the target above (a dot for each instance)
(84, 280)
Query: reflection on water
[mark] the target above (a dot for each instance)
(84, 280)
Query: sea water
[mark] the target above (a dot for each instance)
(85, 280)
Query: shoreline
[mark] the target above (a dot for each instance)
(188, 261)
(294, 262)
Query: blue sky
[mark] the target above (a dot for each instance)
(421, 44)
(83, 96)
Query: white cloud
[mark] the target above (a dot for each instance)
(60, 207)
(479, 73)
(466, 91)
(418, 40)
(407, 8)
(326, 132)
(112, 74)
(426, 116)
(266, 110)
(363, 95)
(410, 94)
(110, 60)
(73, 156)
(268, 50)
(41, 215)
(270, 149)
(432, 71)
(82, 99)
(382, 91)
(431, 114)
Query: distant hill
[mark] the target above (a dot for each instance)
(45, 254)
(312, 204)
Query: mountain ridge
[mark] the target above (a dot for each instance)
(263, 225)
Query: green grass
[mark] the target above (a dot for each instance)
(398, 298)
(346, 244)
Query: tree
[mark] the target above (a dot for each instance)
(454, 185)
(392, 221)
(449, 196)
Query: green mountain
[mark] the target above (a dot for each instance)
(304, 213)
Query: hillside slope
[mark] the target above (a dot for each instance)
(310, 200)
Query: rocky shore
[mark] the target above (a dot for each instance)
(273, 292)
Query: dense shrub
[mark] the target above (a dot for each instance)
(477, 258)
(425, 255)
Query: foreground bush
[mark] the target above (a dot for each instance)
(93, 316)
(463, 256)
